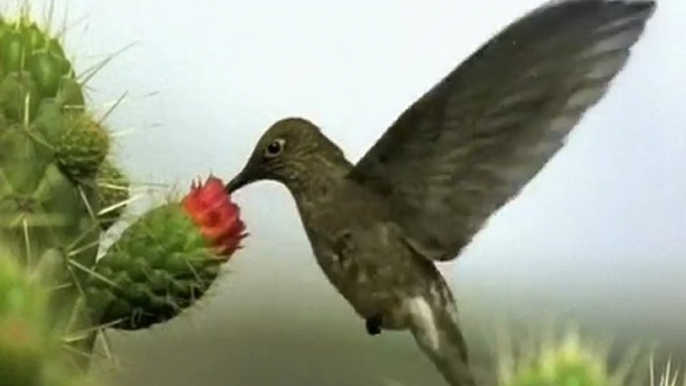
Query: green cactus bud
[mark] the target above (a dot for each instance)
(167, 259)
(567, 364)
(159, 266)
(83, 147)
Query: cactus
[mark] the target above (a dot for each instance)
(571, 361)
(567, 363)
(59, 191)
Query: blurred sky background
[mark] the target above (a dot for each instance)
(598, 238)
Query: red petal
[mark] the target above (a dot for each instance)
(218, 218)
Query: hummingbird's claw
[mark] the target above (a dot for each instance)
(373, 325)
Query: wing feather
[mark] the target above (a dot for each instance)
(472, 142)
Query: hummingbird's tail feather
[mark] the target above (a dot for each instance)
(437, 333)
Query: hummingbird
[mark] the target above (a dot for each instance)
(379, 227)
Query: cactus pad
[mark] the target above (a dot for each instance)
(82, 147)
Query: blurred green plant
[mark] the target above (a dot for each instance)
(571, 361)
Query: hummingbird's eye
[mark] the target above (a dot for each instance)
(274, 149)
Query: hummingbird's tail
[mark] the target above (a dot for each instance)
(434, 326)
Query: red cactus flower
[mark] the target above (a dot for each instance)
(218, 217)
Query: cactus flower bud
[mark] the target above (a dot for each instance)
(167, 259)
(218, 218)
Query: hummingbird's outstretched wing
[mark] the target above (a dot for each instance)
(473, 141)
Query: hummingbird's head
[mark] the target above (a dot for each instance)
(289, 149)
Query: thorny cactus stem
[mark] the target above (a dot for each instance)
(50, 151)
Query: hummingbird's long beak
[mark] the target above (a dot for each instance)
(237, 182)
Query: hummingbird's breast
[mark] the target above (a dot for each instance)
(362, 253)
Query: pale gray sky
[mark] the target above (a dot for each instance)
(598, 237)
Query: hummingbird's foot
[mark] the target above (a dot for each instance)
(373, 325)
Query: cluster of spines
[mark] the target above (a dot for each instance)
(569, 360)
